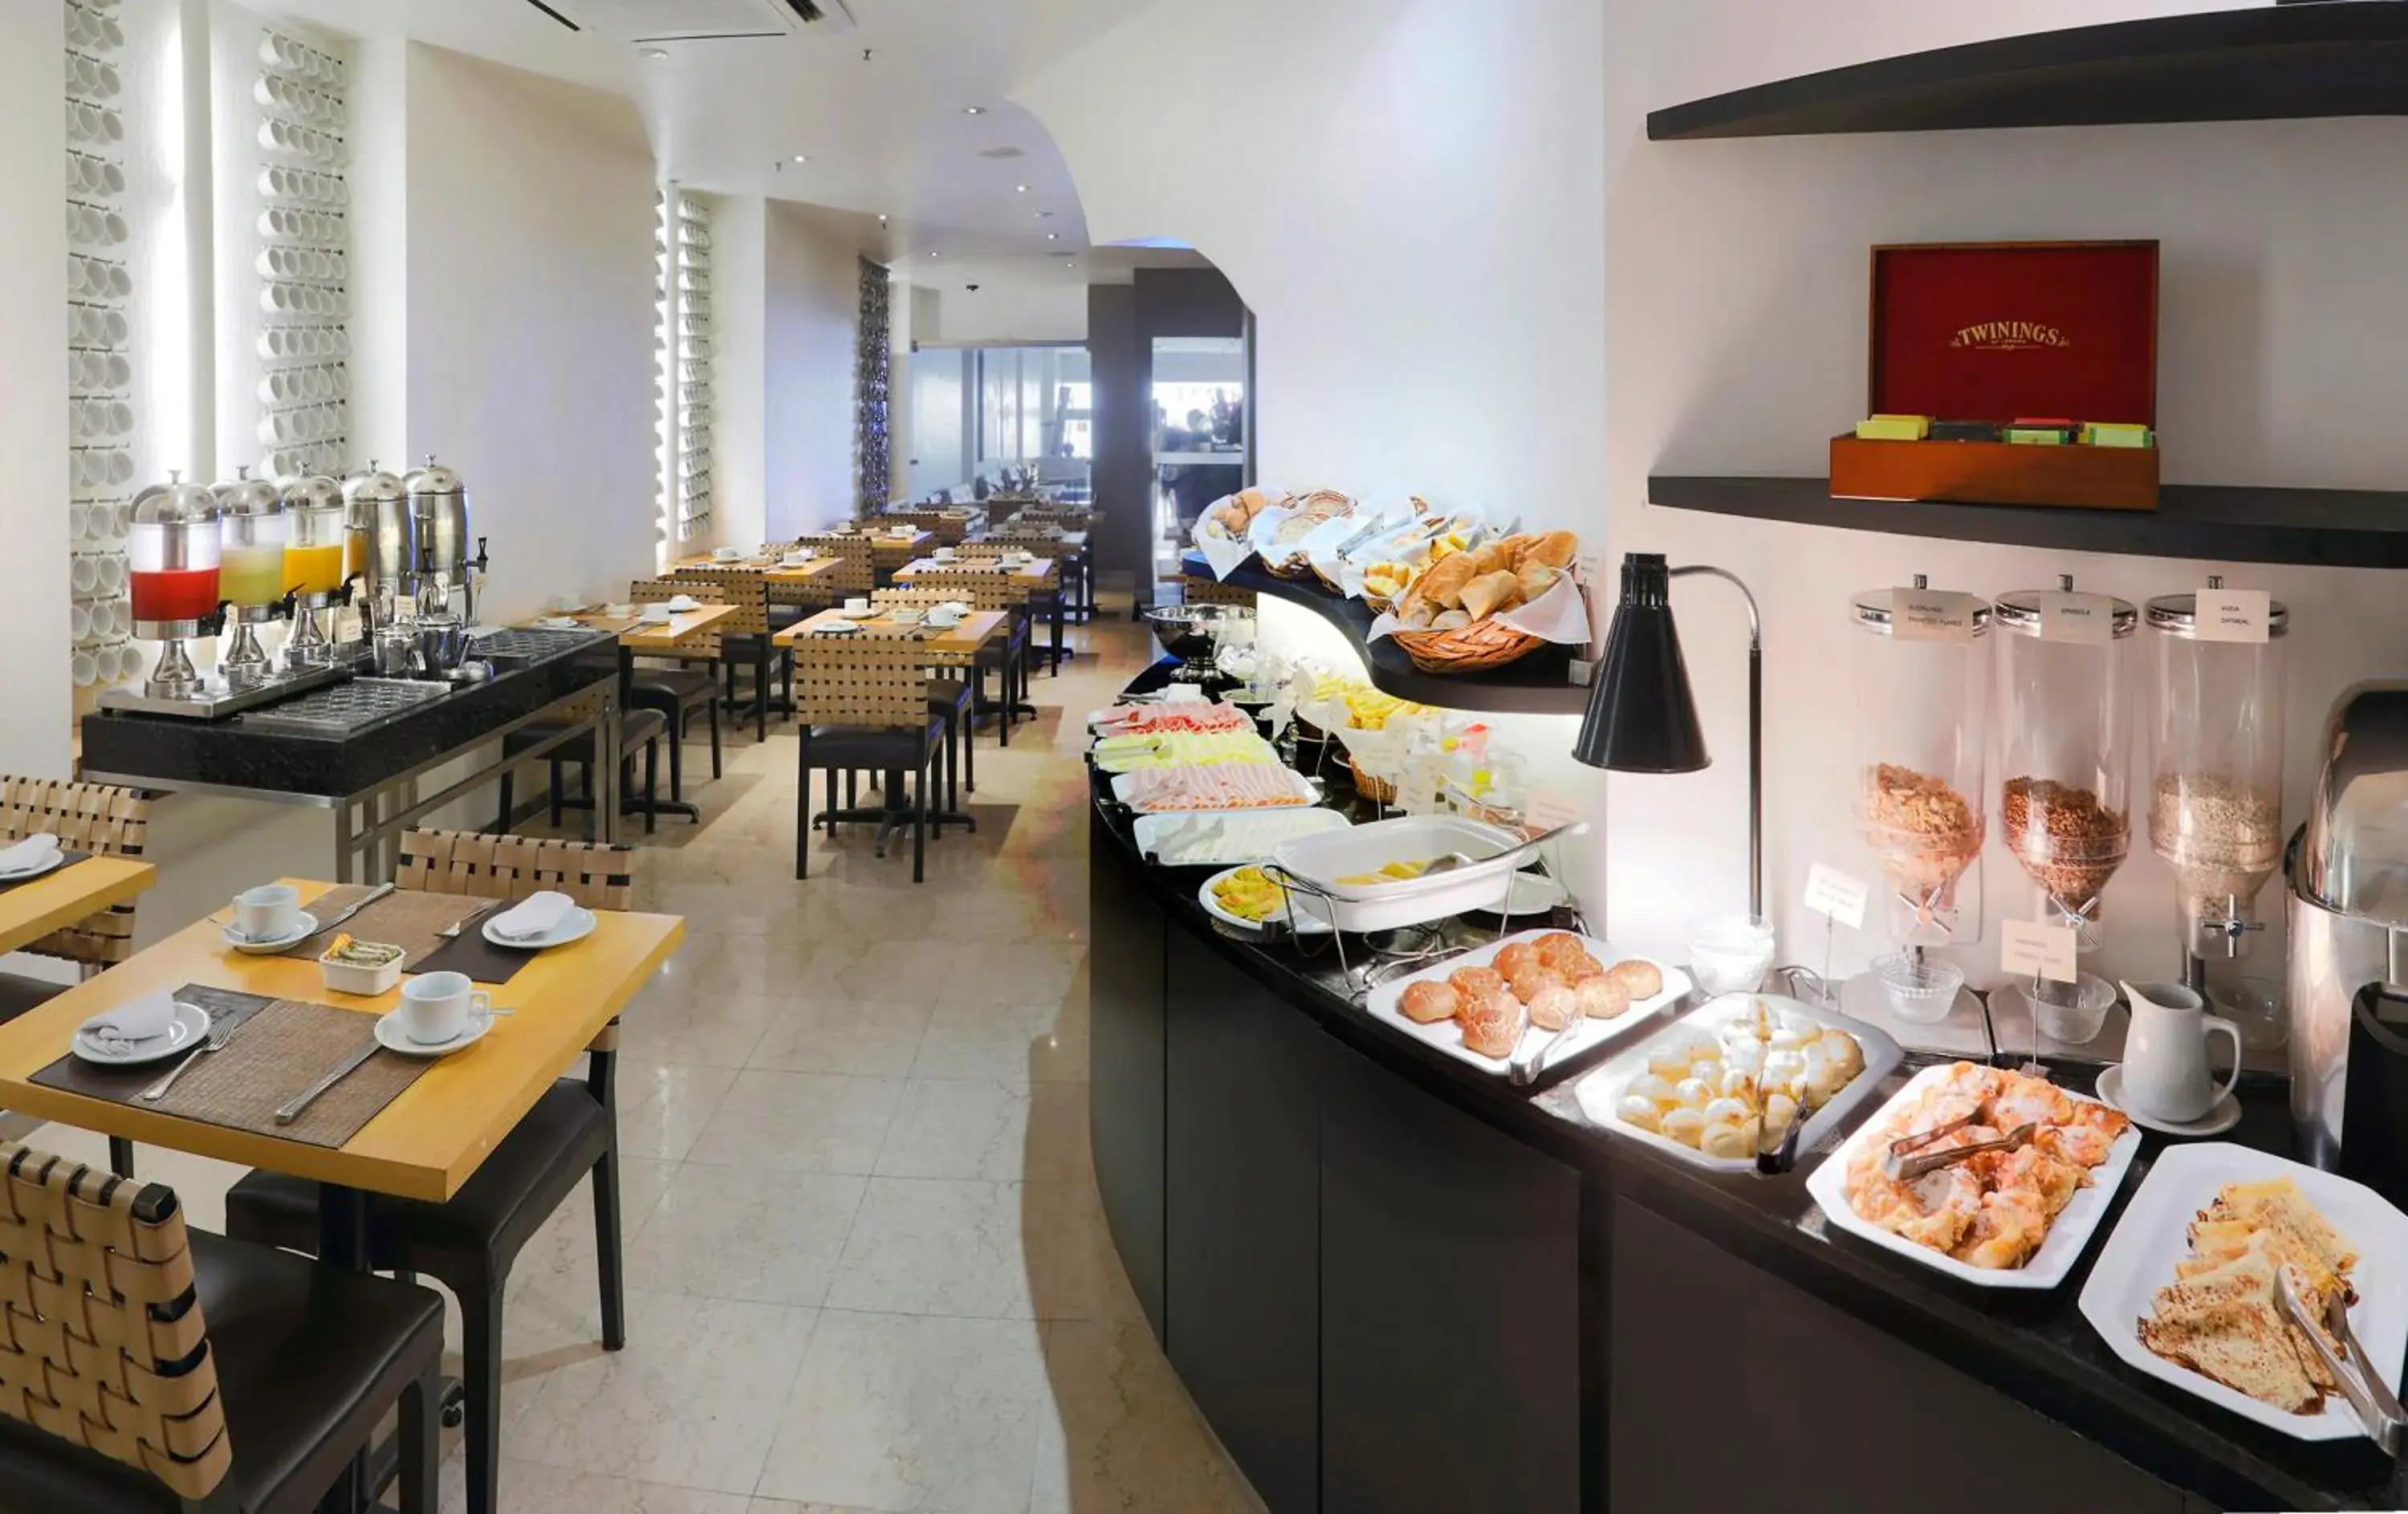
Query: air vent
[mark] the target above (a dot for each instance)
(646, 22)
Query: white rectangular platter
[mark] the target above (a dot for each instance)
(2139, 1256)
(1229, 838)
(1448, 1037)
(1124, 784)
(1600, 1091)
(2048, 1266)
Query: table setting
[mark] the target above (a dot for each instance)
(35, 857)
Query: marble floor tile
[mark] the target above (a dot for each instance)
(1122, 1436)
(532, 1487)
(986, 1128)
(662, 1028)
(895, 1412)
(736, 1232)
(1073, 1271)
(1035, 972)
(663, 1108)
(930, 1246)
(861, 1038)
(799, 1122)
(693, 1400)
(1020, 1043)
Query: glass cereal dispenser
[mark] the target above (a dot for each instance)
(2216, 761)
(2064, 676)
(1922, 694)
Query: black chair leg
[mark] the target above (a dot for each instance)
(480, 1374)
(803, 818)
(120, 1156)
(920, 818)
(969, 747)
(714, 738)
(651, 785)
(420, 1440)
(559, 775)
(677, 762)
(761, 691)
(502, 821)
(607, 1253)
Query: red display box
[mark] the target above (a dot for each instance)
(1995, 331)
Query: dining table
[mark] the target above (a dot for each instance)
(948, 646)
(774, 570)
(639, 636)
(77, 889)
(424, 1143)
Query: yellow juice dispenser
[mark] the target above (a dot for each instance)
(316, 518)
(251, 572)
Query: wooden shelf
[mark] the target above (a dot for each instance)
(2328, 528)
(2284, 61)
(1540, 683)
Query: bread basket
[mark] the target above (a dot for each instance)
(1475, 648)
(1378, 790)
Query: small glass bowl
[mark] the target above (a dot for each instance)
(1921, 990)
(2076, 1023)
(1730, 953)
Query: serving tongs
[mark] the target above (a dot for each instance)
(1908, 1158)
(2378, 1408)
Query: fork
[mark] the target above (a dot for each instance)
(452, 931)
(219, 1033)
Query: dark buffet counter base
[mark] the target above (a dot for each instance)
(2033, 1347)
(230, 755)
(1540, 683)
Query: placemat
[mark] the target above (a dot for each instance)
(280, 1048)
(406, 917)
(472, 954)
(325, 906)
(71, 859)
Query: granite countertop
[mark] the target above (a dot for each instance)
(2035, 1346)
(248, 752)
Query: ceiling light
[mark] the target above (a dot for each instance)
(882, 221)
(1052, 235)
(656, 54)
(973, 111)
(1044, 215)
(802, 157)
(932, 254)
(1020, 188)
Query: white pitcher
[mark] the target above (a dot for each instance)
(2166, 1075)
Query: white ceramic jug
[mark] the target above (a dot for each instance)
(2165, 1057)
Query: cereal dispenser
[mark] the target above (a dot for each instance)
(1922, 692)
(2063, 810)
(172, 575)
(2216, 761)
(250, 570)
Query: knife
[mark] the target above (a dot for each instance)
(354, 907)
(292, 1111)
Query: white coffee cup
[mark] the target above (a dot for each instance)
(856, 606)
(267, 913)
(437, 1007)
(2166, 1075)
(946, 554)
(658, 615)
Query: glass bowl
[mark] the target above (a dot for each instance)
(1730, 953)
(2069, 1013)
(1921, 990)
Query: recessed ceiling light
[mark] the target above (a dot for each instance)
(1044, 215)
(656, 54)
(973, 111)
(882, 221)
(802, 157)
(1020, 188)
(932, 254)
(1070, 263)
(1052, 235)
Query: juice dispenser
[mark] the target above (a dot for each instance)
(1922, 693)
(172, 575)
(316, 519)
(250, 570)
(2215, 765)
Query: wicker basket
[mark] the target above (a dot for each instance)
(1468, 649)
(1378, 790)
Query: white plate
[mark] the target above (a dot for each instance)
(1448, 1037)
(1306, 912)
(2068, 1233)
(865, 612)
(1600, 1091)
(391, 1036)
(1304, 791)
(2139, 1259)
(305, 928)
(576, 926)
(49, 864)
(2226, 1115)
(189, 1029)
(1231, 839)
(558, 623)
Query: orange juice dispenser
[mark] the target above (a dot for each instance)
(251, 572)
(316, 517)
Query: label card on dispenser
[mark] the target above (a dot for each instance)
(2031, 950)
(1930, 615)
(2077, 618)
(2235, 615)
(1837, 895)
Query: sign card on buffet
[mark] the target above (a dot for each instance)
(2033, 949)
(1837, 897)
(2234, 616)
(1930, 615)
(2066, 617)
(1548, 809)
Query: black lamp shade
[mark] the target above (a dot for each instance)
(1641, 717)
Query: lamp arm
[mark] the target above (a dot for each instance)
(1755, 730)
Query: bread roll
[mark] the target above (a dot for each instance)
(1450, 620)
(1492, 1025)
(1427, 1003)
(1552, 1008)
(1639, 977)
(1601, 998)
(1472, 982)
(1513, 958)
(1442, 586)
(1535, 977)
(1556, 549)
(1557, 947)
(1515, 550)
(1487, 559)
(1489, 593)
(1536, 579)
(1580, 968)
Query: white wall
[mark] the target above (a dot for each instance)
(1000, 314)
(813, 301)
(739, 324)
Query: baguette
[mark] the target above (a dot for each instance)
(1442, 586)
(1556, 549)
(1536, 578)
(1487, 595)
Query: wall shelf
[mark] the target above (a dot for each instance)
(2287, 62)
(1540, 683)
(2326, 527)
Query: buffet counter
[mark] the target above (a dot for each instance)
(1393, 1282)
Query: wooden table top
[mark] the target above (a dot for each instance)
(1035, 573)
(66, 894)
(428, 1142)
(772, 570)
(977, 629)
(678, 631)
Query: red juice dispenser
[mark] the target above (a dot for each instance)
(172, 571)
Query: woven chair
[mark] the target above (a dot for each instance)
(951, 698)
(864, 699)
(470, 1243)
(118, 1395)
(986, 589)
(738, 639)
(981, 551)
(856, 575)
(639, 730)
(86, 817)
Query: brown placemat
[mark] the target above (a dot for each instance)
(281, 1046)
(326, 906)
(472, 954)
(406, 917)
(71, 859)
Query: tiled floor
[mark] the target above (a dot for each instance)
(868, 1270)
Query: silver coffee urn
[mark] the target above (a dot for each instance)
(2348, 911)
(378, 518)
(447, 577)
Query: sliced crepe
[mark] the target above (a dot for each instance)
(2225, 1325)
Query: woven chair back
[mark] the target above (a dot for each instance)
(743, 587)
(597, 877)
(870, 679)
(86, 817)
(983, 551)
(984, 588)
(102, 1343)
(914, 596)
(857, 574)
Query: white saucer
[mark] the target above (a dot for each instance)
(56, 860)
(190, 1027)
(2226, 1115)
(576, 927)
(865, 612)
(306, 928)
(559, 623)
(390, 1036)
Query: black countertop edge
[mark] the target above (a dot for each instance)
(226, 754)
(2033, 1346)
